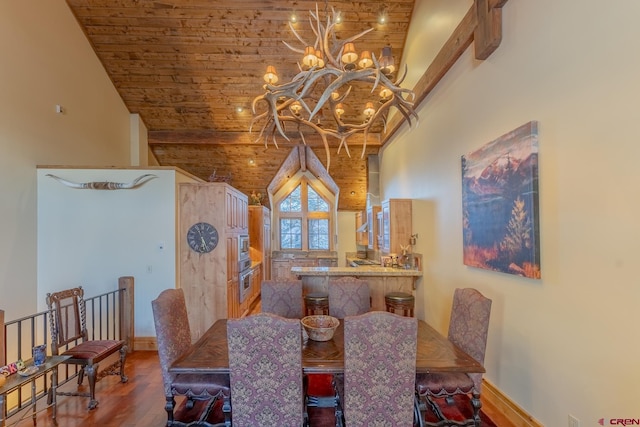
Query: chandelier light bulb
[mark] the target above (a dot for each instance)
(387, 64)
(270, 76)
(296, 107)
(349, 55)
(339, 110)
(385, 93)
(369, 110)
(365, 59)
(310, 59)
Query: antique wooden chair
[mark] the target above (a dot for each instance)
(379, 370)
(283, 298)
(468, 329)
(67, 319)
(265, 362)
(348, 296)
(173, 336)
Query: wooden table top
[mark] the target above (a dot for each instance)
(435, 353)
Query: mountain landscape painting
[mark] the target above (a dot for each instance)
(500, 204)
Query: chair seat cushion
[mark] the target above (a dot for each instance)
(443, 384)
(198, 385)
(95, 350)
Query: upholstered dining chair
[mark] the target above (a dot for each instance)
(283, 298)
(468, 329)
(379, 370)
(348, 296)
(173, 336)
(265, 362)
(69, 337)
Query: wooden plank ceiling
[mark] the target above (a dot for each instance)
(187, 66)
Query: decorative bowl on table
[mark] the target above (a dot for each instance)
(320, 327)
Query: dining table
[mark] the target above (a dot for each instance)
(434, 353)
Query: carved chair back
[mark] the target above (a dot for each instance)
(379, 369)
(265, 362)
(348, 296)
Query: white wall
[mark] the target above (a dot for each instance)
(46, 60)
(566, 343)
(91, 237)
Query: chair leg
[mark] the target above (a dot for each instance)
(91, 371)
(226, 409)
(168, 406)
(418, 407)
(81, 375)
(477, 404)
(123, 358)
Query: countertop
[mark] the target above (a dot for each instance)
(362, 270)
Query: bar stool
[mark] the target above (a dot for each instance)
(316, 303)
(400, 301)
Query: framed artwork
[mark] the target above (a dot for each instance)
(500, 204)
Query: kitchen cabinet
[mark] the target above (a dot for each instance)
(396, 225)
(362, 237)
(260, 238)
(372, 227)
(210, 279)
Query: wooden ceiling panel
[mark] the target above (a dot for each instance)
(186, 65)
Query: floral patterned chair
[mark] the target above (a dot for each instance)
(173, 336)
(468, 329)
(379, 370)
(283, 298)
(265, 362)
(348, 296)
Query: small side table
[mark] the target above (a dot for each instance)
(16, 381)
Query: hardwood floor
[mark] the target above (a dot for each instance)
(138, 403)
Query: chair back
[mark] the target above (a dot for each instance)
(265, 363)
(379, 369)
(283, 298)
(348, 296)
(173, 334)
(469, 325)
(67, 318)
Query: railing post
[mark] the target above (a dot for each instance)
(2, 349)
(126, 286)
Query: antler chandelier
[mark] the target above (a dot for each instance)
(329, 69)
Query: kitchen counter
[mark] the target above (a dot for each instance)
(361, 270)
(381, 280)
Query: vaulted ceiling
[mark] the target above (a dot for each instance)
(191, 68)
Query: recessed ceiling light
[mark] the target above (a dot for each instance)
(293, 18)
(338, 17)
(382, 18)
(239, 109)
(252, 162)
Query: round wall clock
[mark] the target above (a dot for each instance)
(202, 237)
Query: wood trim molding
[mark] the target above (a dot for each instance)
(145, 344)
(492, 397)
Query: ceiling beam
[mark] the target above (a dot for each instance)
(482, 23)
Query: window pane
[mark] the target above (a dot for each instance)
(292, 203)
(290, 233)
(319, 234)
(316, 203)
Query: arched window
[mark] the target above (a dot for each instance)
(304, 213)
